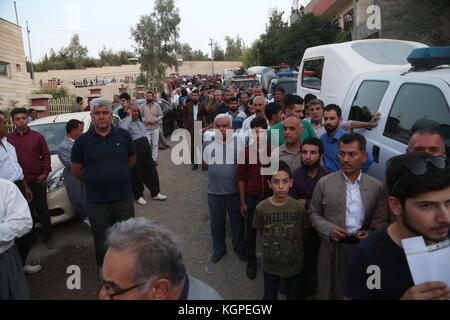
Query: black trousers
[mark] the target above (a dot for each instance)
(251, 202)
(294, 287)
(144, 173)
(39, 205)
(25, 242)
(103, 216)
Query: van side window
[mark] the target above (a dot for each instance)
(418, 106)
(312, 73)
(367, 100)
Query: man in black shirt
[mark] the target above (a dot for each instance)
(419, 189)
(102, 157)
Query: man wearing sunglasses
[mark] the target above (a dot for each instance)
(144, 262)
(425, 140)
(419, 197)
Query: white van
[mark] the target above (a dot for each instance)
(369, 76)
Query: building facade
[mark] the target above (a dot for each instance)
(367, 19)
(15, 83)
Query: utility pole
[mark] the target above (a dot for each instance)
(17, 17)
(31, 59)
(211, 43)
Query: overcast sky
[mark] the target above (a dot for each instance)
(108, 22)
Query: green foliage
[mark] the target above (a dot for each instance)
(191, 55)
(110, 58)
(270, 47)
(75, 56)
(156, 36)
(219, 54)
(283, 43)
(309, 31)
(234, 48)
(252, 56)
(55, 92)
(428, 21)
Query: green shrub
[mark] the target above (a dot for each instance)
(55, 92)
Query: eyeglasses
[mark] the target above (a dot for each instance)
(419, 167)
(110, 287)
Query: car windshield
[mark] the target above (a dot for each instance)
(53, 133)
(289, 87)
(246, 84)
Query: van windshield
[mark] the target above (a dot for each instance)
(384, 52)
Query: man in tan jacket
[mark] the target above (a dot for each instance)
(341, 210)
(151, 115)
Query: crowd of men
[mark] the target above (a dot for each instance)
(321, 218)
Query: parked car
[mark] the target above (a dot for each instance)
(288, 81)
(407, 82)
(53, 129)
(169, 111)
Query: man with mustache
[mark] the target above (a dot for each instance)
(419, 196)
(341, 210)
(425, 140)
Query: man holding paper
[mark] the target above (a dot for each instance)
(419, 189)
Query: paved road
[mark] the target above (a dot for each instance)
(185, 213)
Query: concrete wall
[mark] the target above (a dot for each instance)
(187, 68)
(17, 85)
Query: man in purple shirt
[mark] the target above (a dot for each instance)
(305, 179)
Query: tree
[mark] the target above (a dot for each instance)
(426, 21)
(251, 55)
(234, 48)
(191, 55)
(75, 52)
(156, 36)
(309, 31)
(219, 54)
(270, 44)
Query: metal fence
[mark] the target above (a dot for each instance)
(10, 125)
(57, 106)
(62, 105)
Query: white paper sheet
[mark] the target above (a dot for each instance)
(428, 263)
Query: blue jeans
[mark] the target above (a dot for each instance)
(219, 205)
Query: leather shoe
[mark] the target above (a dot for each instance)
(194, 167)
(251, 271)
(216, 257)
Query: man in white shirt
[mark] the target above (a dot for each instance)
(259, 104)
(10, 170)
(151, 116)
(341, 210)
(316, 109)
(15, 221)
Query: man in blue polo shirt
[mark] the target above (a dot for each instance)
(330, 139)
(102, 157)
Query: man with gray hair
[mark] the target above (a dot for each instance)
(102, 157)
(221, 155)
(144, 262)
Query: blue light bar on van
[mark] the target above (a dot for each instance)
(429, 58)
(244, 76)
(286, 74)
